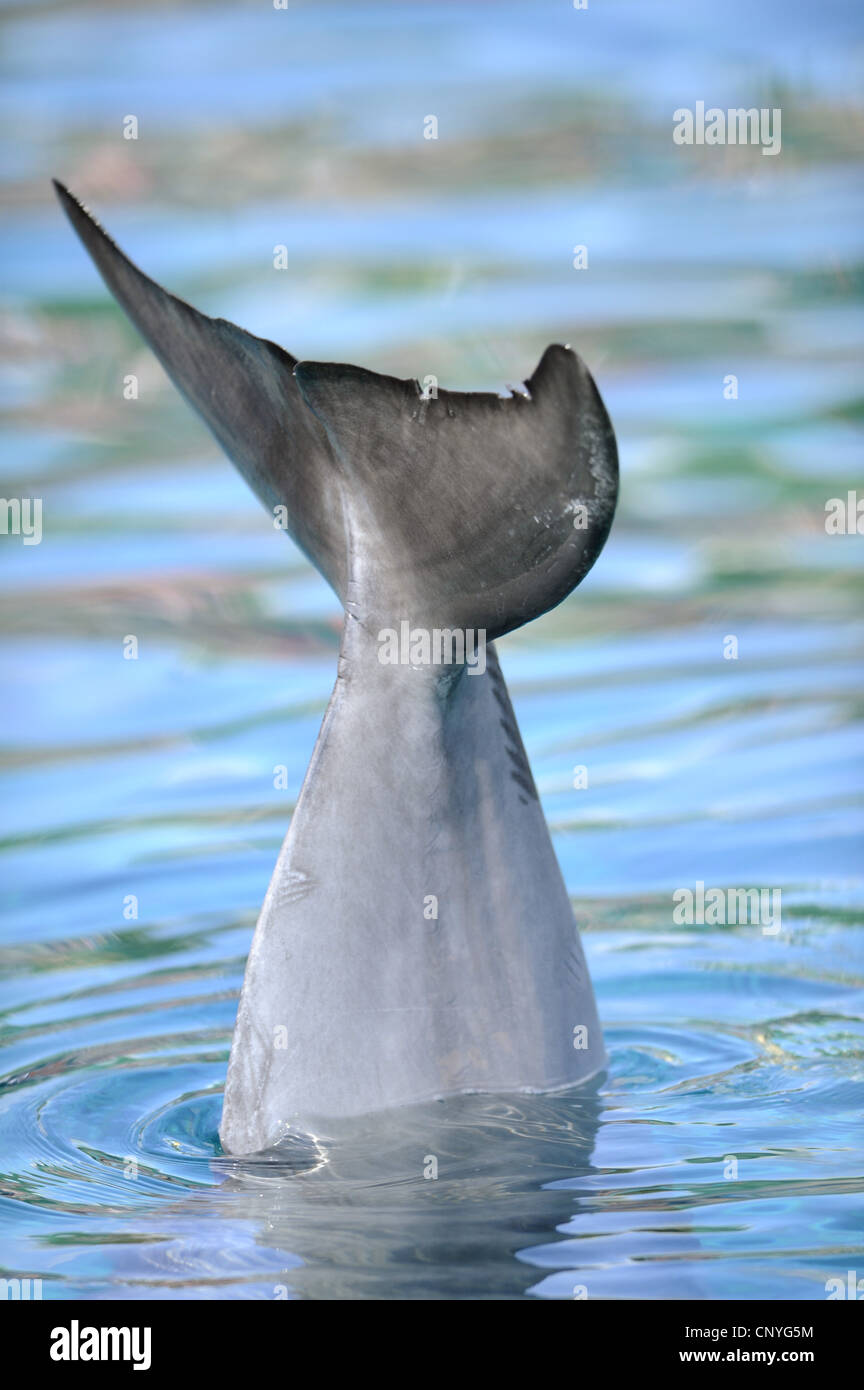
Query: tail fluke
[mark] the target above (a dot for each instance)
(470, 510)
(243, 388)
(465, 510)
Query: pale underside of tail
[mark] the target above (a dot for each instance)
(417, 939)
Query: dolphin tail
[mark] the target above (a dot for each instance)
(466, 509)
(417, 938)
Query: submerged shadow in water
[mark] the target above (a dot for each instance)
(447, 1193)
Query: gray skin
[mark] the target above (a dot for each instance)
(417, 939)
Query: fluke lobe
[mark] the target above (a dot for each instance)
(416, 939)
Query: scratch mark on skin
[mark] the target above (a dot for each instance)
(574, 965)
(293, 887)
(521, 772)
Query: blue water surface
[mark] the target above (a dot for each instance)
(720, 1157)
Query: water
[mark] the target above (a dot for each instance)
(721, 1155)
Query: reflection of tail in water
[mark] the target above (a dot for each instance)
(417, 939)
(427, 1202)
